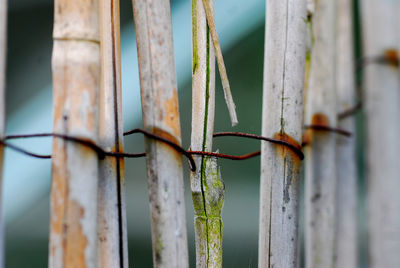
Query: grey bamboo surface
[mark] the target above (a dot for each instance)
(161, 116)
(284, 72)
(320, 167)
(382, 108)
(112, 233)
(3, 51)
(347, 191)
(76, 84)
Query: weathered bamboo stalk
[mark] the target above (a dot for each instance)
(382, 105)
(206, 184)
(76, 83)
(3, 53)
(209, 13)
(161, 116)
(320, 153)
(284, 72)
(346, 195)
(112, 233)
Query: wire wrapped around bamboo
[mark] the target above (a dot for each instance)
(76, 84)
(3, 45)
(381, 26)
(284, 72)
(161, 116)
(112, 234)
(320, 152)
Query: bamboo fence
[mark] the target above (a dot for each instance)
(382, 107)
(346, 192)
(284, 73)
(320, 167)
(160, 116)
(112, 233)
(309, 45)
(206, 184)
(76, 84)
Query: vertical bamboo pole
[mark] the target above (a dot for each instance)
(161, 116)
(320, 153)
(382, 107)
(284, 72)
(112, 237)
(206, 184)
(346, 195)
(3, 53)
(76, 82)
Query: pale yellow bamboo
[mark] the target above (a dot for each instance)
(76, 83)
(112, 235)
(161, 116)
(3, 45)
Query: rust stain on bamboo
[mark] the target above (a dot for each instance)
(318, 119)
(76, 239)
(391, 56)
(284, 150)
(164, 134)
(171, 111)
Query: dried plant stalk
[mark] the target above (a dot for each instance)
(382, 105)
(284, 72)
(221, 64)
(321, 150)
(112, 233)
(3, 45)
(206, 184)
(346, 192)
(161, 116)
(76, 83)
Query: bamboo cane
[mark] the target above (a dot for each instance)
(320, 152)
(3, 45)
(206, 184)
(76, 82)
(346, 195)
(284, 72)
(382, 105)
(220, 60)
(160, 115)
(112, 234)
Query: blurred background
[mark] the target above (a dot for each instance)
(240, 25)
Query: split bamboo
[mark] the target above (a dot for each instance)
(382, 107)
(112, 233)
(284, 72)
(76, 84)
(3, 45)
(206, 184)
(161, 116)
(346, 191)
(209, 13)
(320, 153)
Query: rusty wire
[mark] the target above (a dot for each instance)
(187, 153)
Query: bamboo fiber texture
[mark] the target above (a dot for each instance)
(161, 116)
(320, 167)
(76, 84)
(112, 233)
(346, 194)
(382, 109)
(284, 72)
(206, 183)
